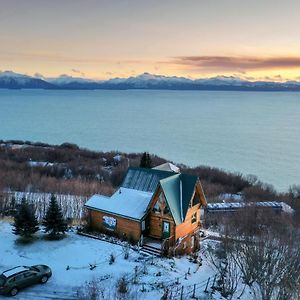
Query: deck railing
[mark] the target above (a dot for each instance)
(164, 243)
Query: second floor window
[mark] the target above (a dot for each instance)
(194, 218)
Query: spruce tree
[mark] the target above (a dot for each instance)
(146, 160)
(54, 223)
(143, 160)
(25, 222)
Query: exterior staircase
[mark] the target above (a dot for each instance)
(151, 247)
(150, 250)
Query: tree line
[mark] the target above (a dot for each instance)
(68, 169)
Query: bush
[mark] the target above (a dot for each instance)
(112, 258)
(131, 239)
(126, 251)
(122, 285)
(69, 146)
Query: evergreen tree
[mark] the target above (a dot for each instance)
(149, 161)
(143, 160)
(146, 160)
(25, 222)
(54, 222)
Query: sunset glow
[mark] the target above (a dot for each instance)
(105, 39)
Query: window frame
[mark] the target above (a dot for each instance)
(194, 218)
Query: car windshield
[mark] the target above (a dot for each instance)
(2, 280)
(34, 269)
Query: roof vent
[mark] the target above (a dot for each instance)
(120, 192)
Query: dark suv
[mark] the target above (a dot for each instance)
(12, 280)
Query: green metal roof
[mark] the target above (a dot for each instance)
(143, 179)
(149, 179)
(178, 190)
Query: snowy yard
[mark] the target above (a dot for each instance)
(78, 252)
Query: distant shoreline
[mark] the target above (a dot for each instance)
(225, 89)
(145, 81)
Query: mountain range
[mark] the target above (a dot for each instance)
(11, 80)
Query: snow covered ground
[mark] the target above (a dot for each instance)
(78, 252)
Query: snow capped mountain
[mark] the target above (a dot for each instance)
(66, 79)
(11, 74)
(146, 77)
(222, 80)
(150, 81)
(11, 80)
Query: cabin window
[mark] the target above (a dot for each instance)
(161, 205)
(166, 210)
(109, 223)
(196, 199)
(156, 207)
(194, 218)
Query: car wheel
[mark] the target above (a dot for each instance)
(44, 279)
(14, 291)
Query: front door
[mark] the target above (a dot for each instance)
(166, 229)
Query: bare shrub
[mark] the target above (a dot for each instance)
(112, 258)
(270, 265)
(294, 191)
(94, 290)
(126, 251)
(122, 285)
(228, 274)
(266, 259)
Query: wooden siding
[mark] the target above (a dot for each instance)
(156, 219)
(131, 228)
(199, 190)
(187, 227)
(156, 222)
(188, 245)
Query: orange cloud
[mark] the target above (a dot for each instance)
(236, 63)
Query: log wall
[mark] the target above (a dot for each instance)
(131, 228)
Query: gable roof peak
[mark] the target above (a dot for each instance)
(167, 167)
(178, 190)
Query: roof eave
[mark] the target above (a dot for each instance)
(115, 214)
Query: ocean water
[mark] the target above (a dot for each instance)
(248, 132)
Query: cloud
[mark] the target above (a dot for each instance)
(236, 63)
(78, 72)
(39, 75)
(249, 78)
(278, 76)
(55, 57)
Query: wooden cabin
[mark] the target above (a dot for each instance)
(158, 208)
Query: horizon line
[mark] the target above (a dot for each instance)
(37, 75)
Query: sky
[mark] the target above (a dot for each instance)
(254, 40)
